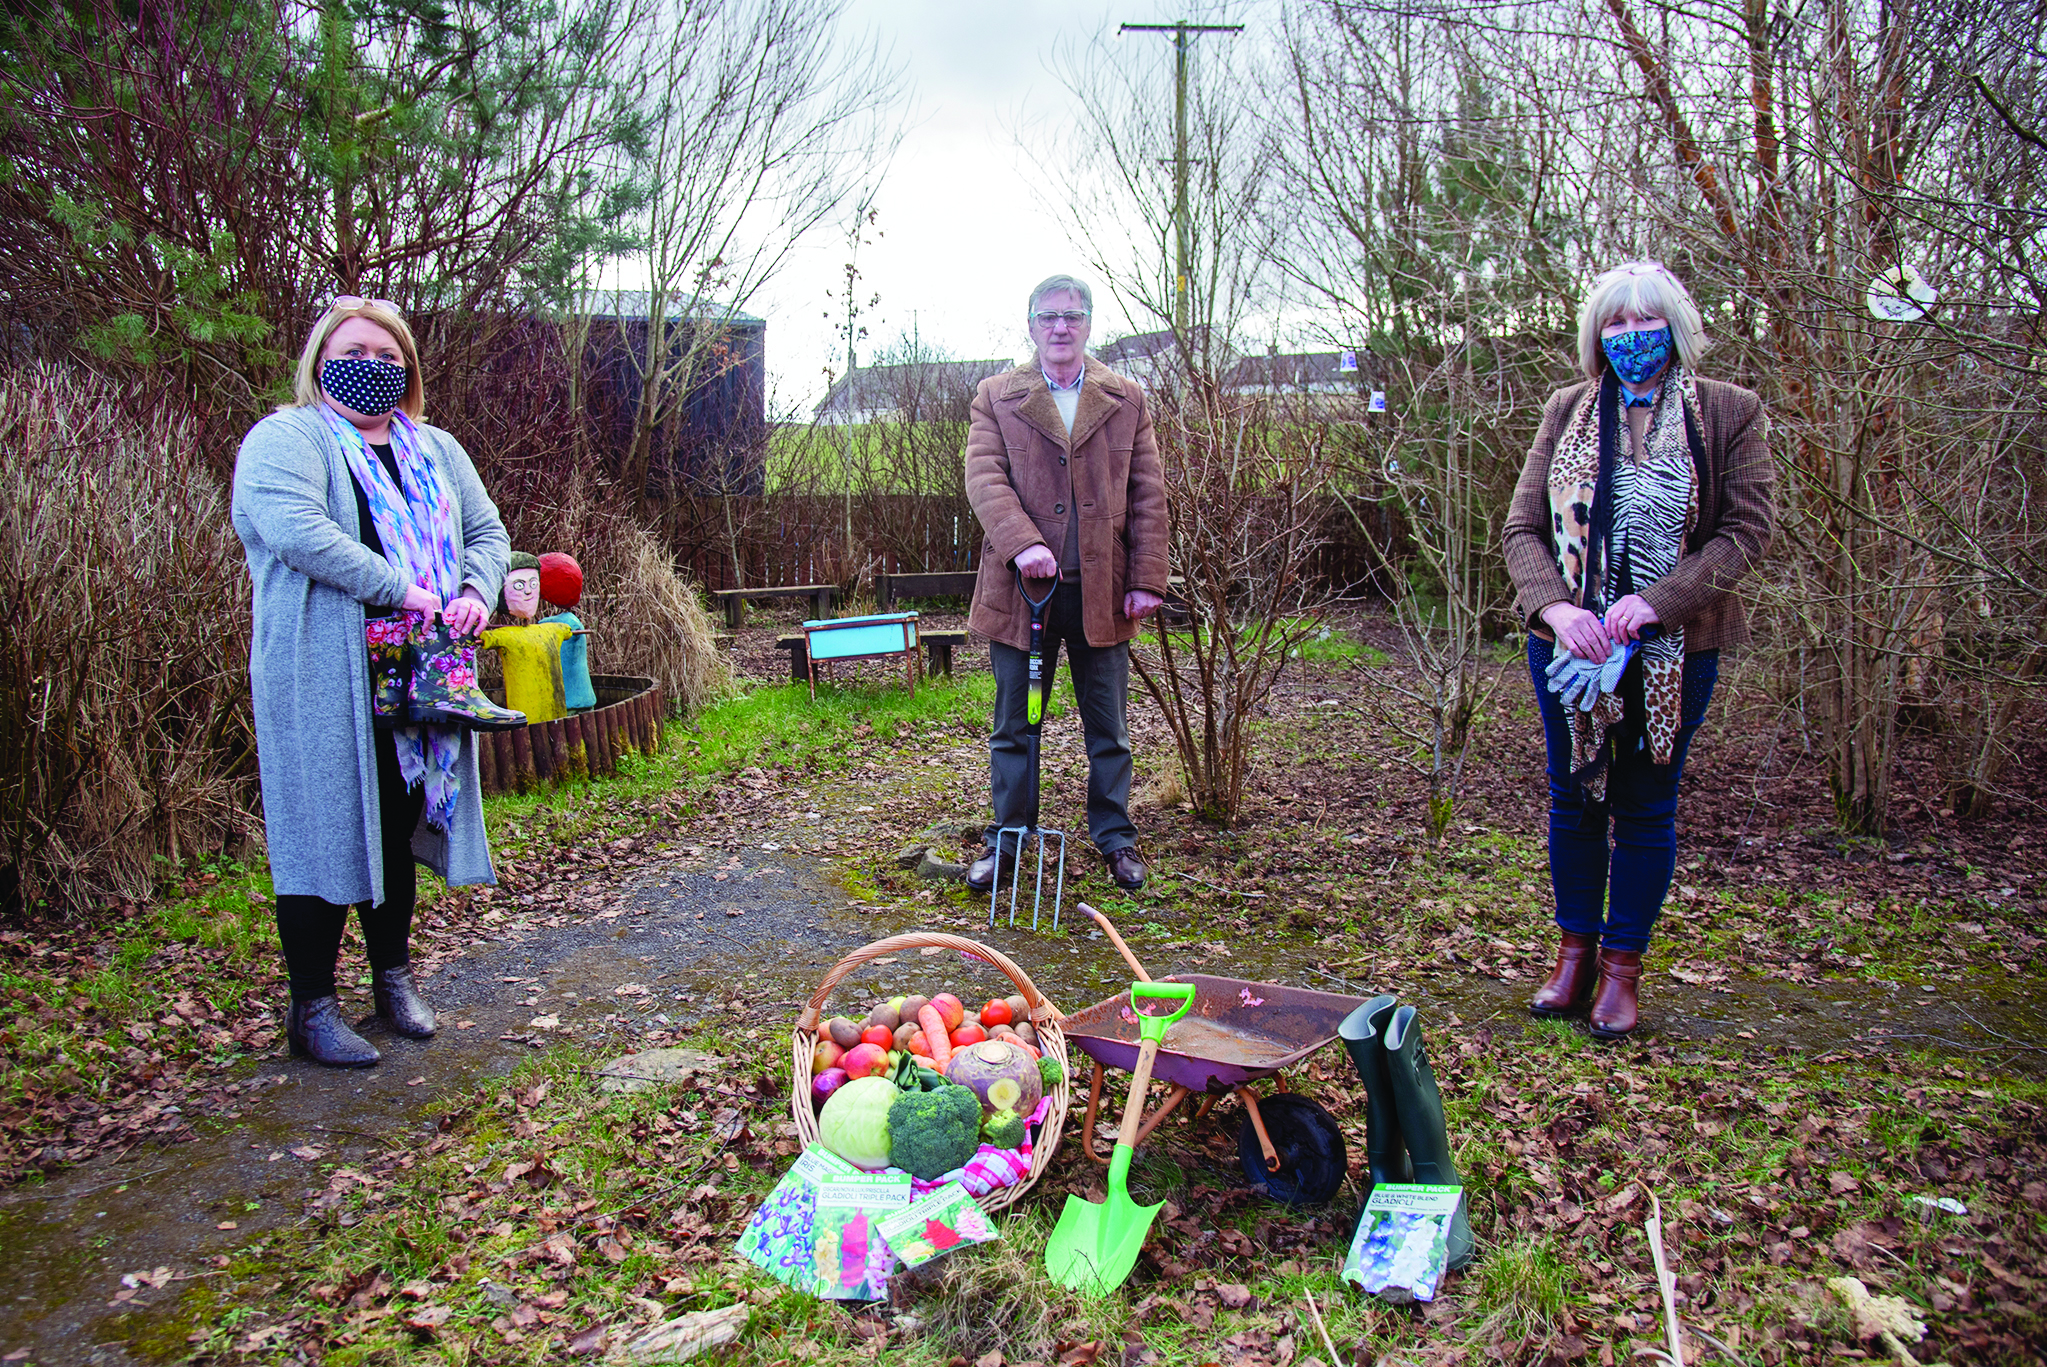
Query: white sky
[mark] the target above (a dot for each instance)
(961, 237)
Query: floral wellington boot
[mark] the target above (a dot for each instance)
(444, 691)
(390, 672)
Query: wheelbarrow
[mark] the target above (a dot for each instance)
(1237, 1032)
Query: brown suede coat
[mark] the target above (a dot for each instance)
(1737, 514)
(1018, 481)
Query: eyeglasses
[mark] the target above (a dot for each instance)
(1070, 317)
(356, 301)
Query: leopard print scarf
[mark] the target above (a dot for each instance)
(1609, 549)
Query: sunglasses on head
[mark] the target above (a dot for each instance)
(356, 301)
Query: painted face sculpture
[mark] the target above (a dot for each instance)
(522, 593)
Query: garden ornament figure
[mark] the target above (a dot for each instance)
(531, 650)
(561, 583)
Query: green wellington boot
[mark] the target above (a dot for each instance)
(1362, 1033)
(1421, 1120)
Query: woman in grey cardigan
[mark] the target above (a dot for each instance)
(351, 509)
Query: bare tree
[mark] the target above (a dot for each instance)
(763, 121)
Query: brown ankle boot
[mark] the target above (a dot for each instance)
(1615, 1008)
(1569, 989)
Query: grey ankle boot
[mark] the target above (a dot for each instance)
(1362, 1034)
(1421, 1121)
(399, 1004)
(315, 1030)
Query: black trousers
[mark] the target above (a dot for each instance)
(1101, 686)
(310, 929)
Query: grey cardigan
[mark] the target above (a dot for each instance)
(295, 511)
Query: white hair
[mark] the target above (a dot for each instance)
(1648, 289)
(1056, 283)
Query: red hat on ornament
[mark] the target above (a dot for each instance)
(561, 579)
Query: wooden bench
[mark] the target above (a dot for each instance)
(822, 596)
(944, 584)
(938, 647)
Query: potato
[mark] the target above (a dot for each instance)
(1027, 1032)
(1019, 1009)
(1001, 1032)
(884, 1016)
(905, 1033)
(843, 1032)
(910, 1006)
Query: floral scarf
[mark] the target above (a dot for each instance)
(1620, 526)
(417, 526)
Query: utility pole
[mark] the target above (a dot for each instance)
(1182, 248)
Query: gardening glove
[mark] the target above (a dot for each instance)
(1569, 676)
(1609, 678)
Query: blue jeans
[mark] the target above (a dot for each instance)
(1616, 892)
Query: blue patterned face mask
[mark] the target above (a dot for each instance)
(1637, 356)
(369, 386)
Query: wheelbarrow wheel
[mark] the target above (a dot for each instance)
(1312, 1156)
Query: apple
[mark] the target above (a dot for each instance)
(950, 1009)
(827, 1056)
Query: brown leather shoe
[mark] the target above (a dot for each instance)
(1126, 868)
(1569, 989)
(1615, 1007)
(981, 873)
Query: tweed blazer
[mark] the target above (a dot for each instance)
(1737, 514)
(1019, 482)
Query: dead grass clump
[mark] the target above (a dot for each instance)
(659, 624)
(124, 693)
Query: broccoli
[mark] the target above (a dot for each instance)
(1004, 1129)
(931, 1133)
(1050, 1071)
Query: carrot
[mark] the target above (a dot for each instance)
(934, 1034)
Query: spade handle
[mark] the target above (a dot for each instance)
(1153, 1029)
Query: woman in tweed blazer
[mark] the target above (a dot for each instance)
(1647, 495)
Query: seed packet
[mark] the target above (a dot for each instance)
(778, 1239)
(1402, 1245)
(936, 1224)
(850, 1260)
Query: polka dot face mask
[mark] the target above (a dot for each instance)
(370, 386)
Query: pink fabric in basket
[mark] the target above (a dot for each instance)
(991, 1169)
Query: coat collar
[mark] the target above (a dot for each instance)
(1100, 395)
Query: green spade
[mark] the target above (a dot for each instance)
(1093, 1247)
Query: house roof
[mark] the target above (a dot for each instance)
(631, 304)
(1289, 370)
(880, 386)
(1144, 346)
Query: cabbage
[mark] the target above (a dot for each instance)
(854, 1122)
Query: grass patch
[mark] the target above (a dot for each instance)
(544, 1210)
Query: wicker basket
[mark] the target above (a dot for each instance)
(1045, 1019)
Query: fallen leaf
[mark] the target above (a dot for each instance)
(548, 1022)
(590, 1341)
(1235, 1295)
(428, 1318)
(226, 1224)
(308, 1152)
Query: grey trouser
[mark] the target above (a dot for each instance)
(1101, 685)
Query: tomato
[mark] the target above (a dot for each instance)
(967, 1034)
(996, 1013)
(880, 1036)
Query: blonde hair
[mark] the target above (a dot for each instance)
(1648, 289)
(305, 383)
